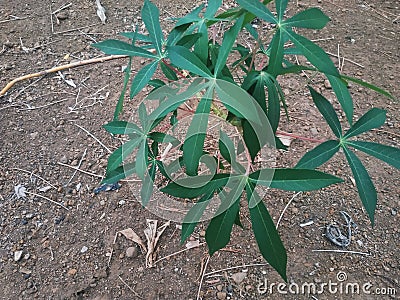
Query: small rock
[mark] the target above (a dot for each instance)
(84, 249)
(75, 162)
(327, 84)
(131, 252)
(72, 272)
(360, 243)
(64, 159)
(25, 271)
(239, 277)
(17, 255)
(202, 233)
(219, 287)
(221, 295)
(121, 202)
(393, 212)
(34, 135)
(63, 15)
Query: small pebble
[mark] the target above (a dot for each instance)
(72, 272)
(221, 295)
(219, 287)
(84, 249)
(131, 252)
(327, 84)
(17, 255)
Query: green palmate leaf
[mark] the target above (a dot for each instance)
(194, 141)
(276, 54)
(134, 35)
(319, 155)
(212, 8)
(227, 44)
(228, 152)
(388, 154)
(191, 17)
(141, 159)
(143, 77)
(176, 34)
(115, 47)
(119, 173)
(280, 8)
(201, 45)
(151, 18)
(312, 18)
(327, 111)
(219, 229)
(148, 185)
(313, 53)
(161, 137)
(368, 85)
(154, 150)
(143, 116)
(192, 187)
(183, 58)
(343, 95)
(119, 155)
(120, 103)
(373, 118)
(268, 239)
(189, 40)
(194, 215)
(168, 72)
(295, 179)
(122, 127)
(365, 187)
(274, 108)
(258, 9)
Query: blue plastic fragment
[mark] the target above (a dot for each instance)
(105, 187)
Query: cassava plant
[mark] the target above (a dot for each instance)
(241, 85)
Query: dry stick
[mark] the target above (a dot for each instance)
(341, 251)
(202, 277)
(236, 267)
(175, 253)
(15, 19)
(95, 138)
(48, 199)
(26, 171)
(131, 289)
(79, 165)
(349, 60)
(60, 68)
(74, 29)
(80, 170)
(43, 106)
(283, 211)
(62, 8)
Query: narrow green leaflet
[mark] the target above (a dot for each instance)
(148, 185)
(229, 39)
(141, 159)
(343, 95)
(258, 9)
(143, 77)
(191, 17)
(115, 47)
(212, 8)
(276, 53)
(274, 108)
(312, 18)
(267, 236)
(176, 34)
(194, 215)
(219, 229)
(201, 45)
(318, 57)
(228, 152)
(122, 127)
(151, 18)
(120, 103)
(373, 118)
(119, 173)
(327, 111)
(189, 40)
(388, 154)
(118, 156)
(170, 74)
(195, 136)
(184, 59)
(161, 137)
(295, 179)
(368, 85)
(365, 186)
(319, 155)
(134, 35)
(280, 8)
(190, 187)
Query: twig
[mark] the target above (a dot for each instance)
(26, 171)
(349, 60)
(202, 277)
(283, 211)
(48, 199)
(42, 106)
(74, 29)
(59, 68)
(236, 267)
(76, 170)
(131, 289)
(15, 19)
(299, 137)
(51, 20)
(95, 138)
(62, 8)
(175, 253)
(341, 251)
(85, 172)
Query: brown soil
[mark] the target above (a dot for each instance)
(66, 253)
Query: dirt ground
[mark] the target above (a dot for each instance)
(62, 246)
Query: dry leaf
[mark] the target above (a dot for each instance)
(20, 191)
(44, 189)
(239, 277)
(101, 12)
(131, 235)
(192, 244)
(286, 140)
(153, 235)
